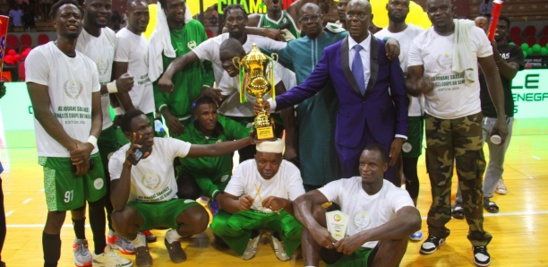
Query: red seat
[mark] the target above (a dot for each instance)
(26, 39)
(23, 47)
(530, 31)
(545, 31)
(515, 32)
(543, 40)
(43, 38)
(12, 42)
(517, 40)
(531, 40)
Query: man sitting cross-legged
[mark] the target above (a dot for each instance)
(144, 195)
(259, 197)
(381, 217)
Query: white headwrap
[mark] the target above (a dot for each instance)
(276, 146)
(160, 43)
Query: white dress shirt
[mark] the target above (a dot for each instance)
(364, 54)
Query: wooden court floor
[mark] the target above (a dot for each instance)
(520, 229)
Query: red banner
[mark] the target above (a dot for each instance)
(4, 22)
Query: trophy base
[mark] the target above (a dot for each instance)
(264, 133)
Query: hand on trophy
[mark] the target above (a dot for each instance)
(349, 244)
(323, 237)
(258, 108)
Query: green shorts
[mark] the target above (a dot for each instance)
(161, 214)
(65, 191)
(412, 148)
(357, 259)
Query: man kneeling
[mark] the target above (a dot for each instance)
(381, 217)
(259, 197)
(144, 190)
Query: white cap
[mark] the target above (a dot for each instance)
(276, 146)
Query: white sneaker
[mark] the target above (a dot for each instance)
(82, 256)
(251, 249)
(110, 258)
(278, 248)
(120, 243)
(501, 187)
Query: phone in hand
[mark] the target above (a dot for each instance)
(138, 155)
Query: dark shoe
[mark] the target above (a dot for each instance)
(490, 206)
(219, 243)
(457, 211)
(142, 257)
(431, 244)
(150, 237)
(176, 253)
(481, 256)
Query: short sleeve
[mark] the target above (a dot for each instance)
(295, 186)
(484, 46)
(399, 199)
(236, 184)
(37, 67)
(96, 84)
(115, 163)
(206, 50)
(332, 190)
(179, 148)
(414, 56)
(123, 49)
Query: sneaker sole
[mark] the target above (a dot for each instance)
(121, 249)
(434, 250)
(83, 265)
(130, 264)
(482, 264)
(415, 238)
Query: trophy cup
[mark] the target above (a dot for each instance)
(337, 222)
(257, 81)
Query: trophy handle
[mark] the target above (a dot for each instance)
(274, 57)
(236, 62)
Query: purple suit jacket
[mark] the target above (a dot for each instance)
(382, 111)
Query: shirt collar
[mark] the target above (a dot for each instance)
(366, 44)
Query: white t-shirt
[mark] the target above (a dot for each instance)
(366, 211)
(247, 180)
(451, 98)
(405, 38)
(71, 82)
(229, 86)
(133, 49)
(153, 178)
(101, 51)
(209, 50)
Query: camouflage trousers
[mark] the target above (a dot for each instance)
(456, 140)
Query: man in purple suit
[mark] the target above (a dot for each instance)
(361, 73)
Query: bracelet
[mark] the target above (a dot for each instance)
(111, 87)
(92, 140)
(118, 111)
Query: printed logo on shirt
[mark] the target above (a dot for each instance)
(406, 147)
(73, 89)
(99, 183)
(361, 221)
(150, 181)
(102, 65)
(191, 45)
(224, 178)
(444, 61)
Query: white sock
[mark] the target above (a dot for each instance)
(140, 240)
(172, 236)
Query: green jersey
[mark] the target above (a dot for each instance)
(267, 23)
(188, 82)
(212, 173)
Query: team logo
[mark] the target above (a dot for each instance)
(284, 20)
(73, 89)
(191, 45)
(406, 147)
(224, 178)
(98, 183)
(150, 181)
(361, 221)
(337, 217)
(102, 65)
(444, 61)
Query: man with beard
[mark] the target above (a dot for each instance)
(443, 66)
(98, 42)
(361, 74)
(412, 147)
(131, 57)
(145, 191)
(235, 22)
(64, 89)
(177, 34)
(509, 60)
(315, 115)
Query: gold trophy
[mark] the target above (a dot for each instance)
(256, 81)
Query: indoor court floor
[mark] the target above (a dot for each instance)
(520, 229)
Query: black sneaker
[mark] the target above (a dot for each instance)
(481, 256)
(431, 244)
